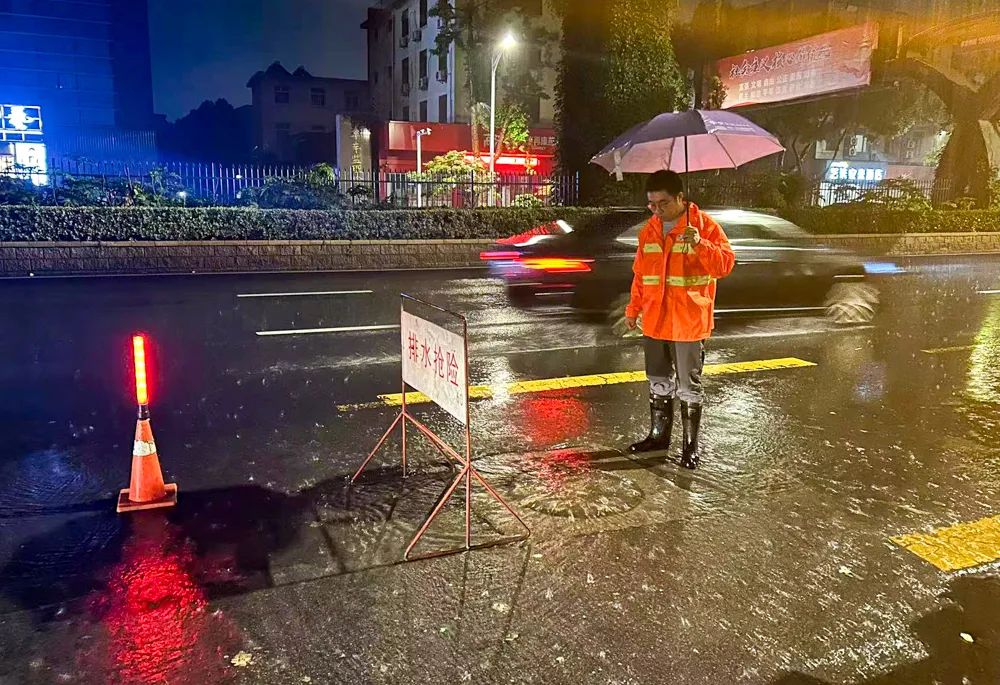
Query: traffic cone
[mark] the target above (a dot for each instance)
(146, 488)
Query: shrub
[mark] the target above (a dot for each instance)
(27, 223)
(527, 200)
(842, 220)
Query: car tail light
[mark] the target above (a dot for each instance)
(556, 265)
(498, 256)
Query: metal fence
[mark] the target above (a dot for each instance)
(768, 191)
(219, 184)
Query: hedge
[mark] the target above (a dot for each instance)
(229, 223)
(846, 221)
(22, 223)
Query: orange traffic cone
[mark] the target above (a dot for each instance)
(146, 488)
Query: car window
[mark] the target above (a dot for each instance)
(740, 223)
(741, 231)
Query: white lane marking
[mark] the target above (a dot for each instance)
(315, 331)
(988, 292)
(309, 294)
(791, 334)
(765, 310)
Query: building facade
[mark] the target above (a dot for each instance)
(295, 113)
(409, 82)
(84, 67)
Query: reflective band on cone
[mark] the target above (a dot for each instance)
(146, 488)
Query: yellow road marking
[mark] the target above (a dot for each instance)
(479, 392)
(958, 547)
(945, 350)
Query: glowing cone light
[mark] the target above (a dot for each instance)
(146, 488)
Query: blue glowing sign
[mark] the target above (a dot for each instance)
(20, 124)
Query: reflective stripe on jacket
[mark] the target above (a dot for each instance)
(674, 283)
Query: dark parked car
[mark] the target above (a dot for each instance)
(780, 269)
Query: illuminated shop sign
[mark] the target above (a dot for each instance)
(854, 172)
(21, 124)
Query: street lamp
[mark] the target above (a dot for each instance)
(508, 43)
(420, 163)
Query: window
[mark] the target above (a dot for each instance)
(352, 102)
(318, 97)
(404, 24)
(406, 113)
(423, 110)
(405, 75)
(423, 12)
(388, 73)
(443, 62)
(741, 231)
(423, 64)
(375, 77)
(282, 95)
(443, 109)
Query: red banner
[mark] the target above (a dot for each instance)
(827, 63)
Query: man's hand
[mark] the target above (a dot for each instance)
(691, 235)
(632, 322)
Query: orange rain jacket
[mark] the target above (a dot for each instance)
(674, 283)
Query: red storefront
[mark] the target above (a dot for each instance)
(397, 148)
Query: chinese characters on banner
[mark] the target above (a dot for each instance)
(829, 62)
(434, 364)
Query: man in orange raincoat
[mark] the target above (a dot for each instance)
(682, 252)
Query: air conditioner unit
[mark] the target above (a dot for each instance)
(442, 76)
(405, 89)
(404, 40)
(424, 83)
(418, 35)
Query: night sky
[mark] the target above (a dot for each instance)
(209, 49)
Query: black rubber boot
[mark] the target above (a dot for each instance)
(691, 422)
(661, 421)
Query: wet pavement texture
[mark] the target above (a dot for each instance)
(773, 563)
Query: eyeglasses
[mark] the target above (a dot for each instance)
(661, 205)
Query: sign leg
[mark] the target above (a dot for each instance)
(378, 447)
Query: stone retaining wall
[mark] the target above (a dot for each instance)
(40, 259)
(22, 259)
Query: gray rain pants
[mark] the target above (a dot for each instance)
(674, 369)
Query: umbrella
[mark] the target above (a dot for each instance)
(696, 140)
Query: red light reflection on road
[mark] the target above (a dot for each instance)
(156, 627)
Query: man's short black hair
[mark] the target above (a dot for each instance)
(666, 182)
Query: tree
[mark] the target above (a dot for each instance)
(476, 28)
(512, 129)
(454, 170)
(616, 72)
(878, 111)
(214, 132)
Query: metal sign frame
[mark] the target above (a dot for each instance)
(467, 471)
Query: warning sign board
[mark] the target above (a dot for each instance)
(434, 363)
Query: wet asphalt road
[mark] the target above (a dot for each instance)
(774, 563)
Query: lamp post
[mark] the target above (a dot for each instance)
(506, 44)
(420, 164)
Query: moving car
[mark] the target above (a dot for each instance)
(780, 269)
